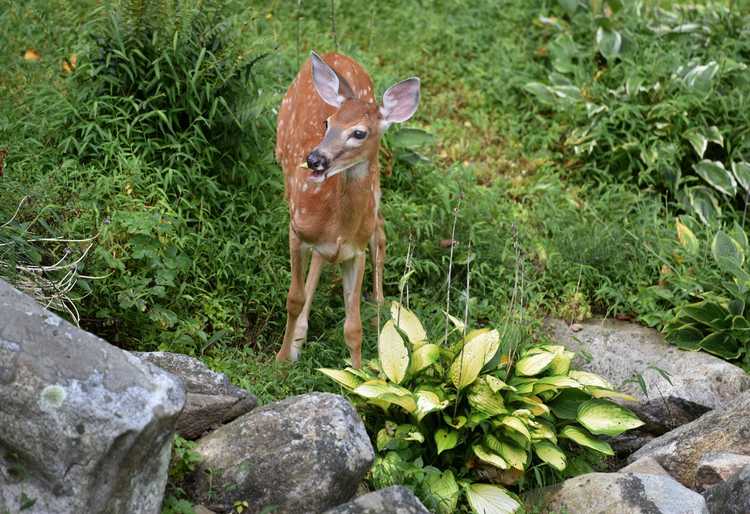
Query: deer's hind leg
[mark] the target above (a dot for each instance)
(353, 271)
(377, 253)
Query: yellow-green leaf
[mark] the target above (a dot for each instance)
(582, 438)
(598, 392)
(346, 379)
(561, 363)
(550, 454)
(445, 439)
(515, 457)
(496, 384)
(589, 379)
(603, 417)
(391, 393)
(479, 348)
(408, 322)
(687, 238)
(489, 457)
(427, 402)
(516, 424)
(491, 499)
(394, 357)
(424, 357)
(534, 364)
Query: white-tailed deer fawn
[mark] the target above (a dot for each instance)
(327, 141)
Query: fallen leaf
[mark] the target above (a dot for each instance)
(31, 55)
(447, 243)
(68, 65)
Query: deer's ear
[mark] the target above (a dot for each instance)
(326, 81)
(400, 101)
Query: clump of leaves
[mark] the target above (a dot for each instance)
(184, 461)
(718, 322)
(466, 418)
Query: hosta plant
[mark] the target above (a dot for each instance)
(468, 418)
(717, 321)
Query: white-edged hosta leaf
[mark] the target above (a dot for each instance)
(698, 141)
(515, 456)
(581, 438)
(608, 42)
(687, 238)
(479, 348)
(700, 76)
(717, 175)
(489, 457)
(550, 454)
(704, 204)
(491, 499)
(345, 378)
(534, 364)
(724, 247)
(424, 357)
(408, 323)
(589, 379)
(741, 172)
(602, 417)
(445, 439)
(560, 365)
(427, 402)
(392, 352)
(543, 93)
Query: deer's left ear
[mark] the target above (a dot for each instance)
(326, 81)
(400, 101)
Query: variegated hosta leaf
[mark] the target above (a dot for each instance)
(427, 402)
(457, 323)
(489, 457)
(479, 348)
(590, 379)
(408, 323)
(741, 172)
(516, 424)
(496, 384)
(515, 457)
(345, 378)
(582, 438)
(560, 382)
(603, 417)
(550, 454)
(533, 404)
(441, 491)
(531, 365)
(391, 393)
(392, 352)
(542, 431)
(491, 499)
(598, 392)
(561, 363)
(482, 398)
(457, 422)
(717, 175)
(424, 357)
(445, 439)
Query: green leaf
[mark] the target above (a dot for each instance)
(482, 398)
(741, 172)
(424, 357)
(602, 417)
(580, 437)
(517, 425)
(599, 392)
(457, 422)
(491, 499)
(445, 439)
(561, 363)
(722, 344)
(704, 204)
(441, 492)
(479, 348)
(392, 353)
(408, 323)
(565, 405)
(514, 455)
(724, 247)
(698, 141)
(570, 6)
(346, 379)
(381, 390)
(685, 337)
(496, 384)
(412, 138)
(608, 42)
(542, 93)
(687, 238)
(489, 457)
(559, 382)
(550, 454)
(717, 175)
(700, 77)
(534, 364)
(706, 312)
(589, 379)
(428, 402)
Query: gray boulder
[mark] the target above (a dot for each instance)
(645, 466)
(304, 454)
(621, 493)
(392, 500)
(212, 400)
(731, 496)
(86, 427)
(619, 351)
(716, 467)
(726, 429)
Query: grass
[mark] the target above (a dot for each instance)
(193, 254)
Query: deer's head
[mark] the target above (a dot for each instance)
(353, 132)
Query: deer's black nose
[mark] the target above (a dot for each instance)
(317, 161)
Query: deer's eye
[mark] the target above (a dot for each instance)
(359, 134)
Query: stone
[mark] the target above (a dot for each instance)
(212, 400)
(619, 493)
(86, 427)
(304, 454)
(619, 351)
(731, 496)
(200, 509)
(716, 467)
(645, 466)
(392, 500)
(680, 451)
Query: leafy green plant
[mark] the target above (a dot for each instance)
(718, 323)
(184, 461)
(456, 420)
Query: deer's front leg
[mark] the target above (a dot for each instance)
(377, 253)
(353, 271)
(295, 300)
(300, 329)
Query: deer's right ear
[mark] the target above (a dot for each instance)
(326, 81)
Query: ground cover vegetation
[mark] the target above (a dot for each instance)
(569, 158)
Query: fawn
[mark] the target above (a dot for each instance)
(327, 142)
